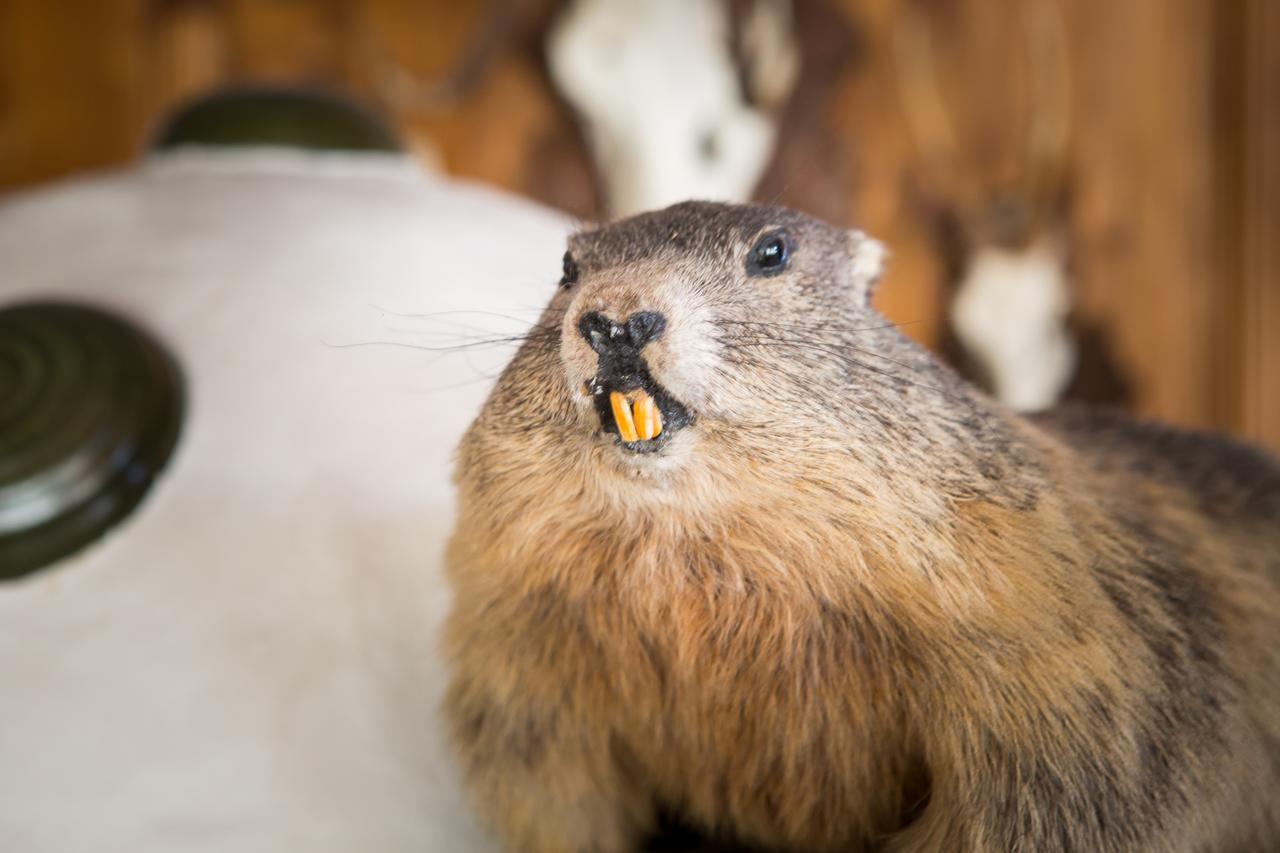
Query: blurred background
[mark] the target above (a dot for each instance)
(1082, 189)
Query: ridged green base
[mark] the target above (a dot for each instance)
(90, 410)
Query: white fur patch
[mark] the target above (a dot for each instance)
(869, 258)
(1010, 313)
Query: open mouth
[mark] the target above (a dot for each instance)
(643, 417)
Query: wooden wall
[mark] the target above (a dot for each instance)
(1172, 181)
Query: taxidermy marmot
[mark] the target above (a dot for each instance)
(731, 548)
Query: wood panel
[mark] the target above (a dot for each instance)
(70, 76)
(1172, 204)
(1258, 400)
(1142, 208)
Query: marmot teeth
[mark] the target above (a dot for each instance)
(622, 417)
(638, 418)
(647, 417)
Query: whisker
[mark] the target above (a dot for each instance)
(483, 377)
(455, 312)
(881, 378)
(536, 338)
(447, 335)
(809, 328)
(800, 341)
(844, 357)
(445, 318)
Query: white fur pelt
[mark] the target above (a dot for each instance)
(249, 662)
(1010, 313)
(661, 102)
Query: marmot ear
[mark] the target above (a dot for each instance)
(868, 264)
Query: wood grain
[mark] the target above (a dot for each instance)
(1173, 201)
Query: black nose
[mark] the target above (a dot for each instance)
(606, 336)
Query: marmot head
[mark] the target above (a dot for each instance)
(669, 320)
(707, 357)
(704, 337)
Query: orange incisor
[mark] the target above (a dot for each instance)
(636, 415)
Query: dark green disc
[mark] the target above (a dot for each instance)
(90, 410)
(297, 118)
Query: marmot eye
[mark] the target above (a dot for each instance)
(570, 276)
(770, 255)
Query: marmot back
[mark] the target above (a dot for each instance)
(731, 548)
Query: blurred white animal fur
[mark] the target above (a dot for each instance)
(660, 99)
(1010, 312)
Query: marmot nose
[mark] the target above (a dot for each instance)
(608, 336)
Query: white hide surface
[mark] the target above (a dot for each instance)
(249, 663)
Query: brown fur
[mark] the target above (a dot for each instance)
(856, 605)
